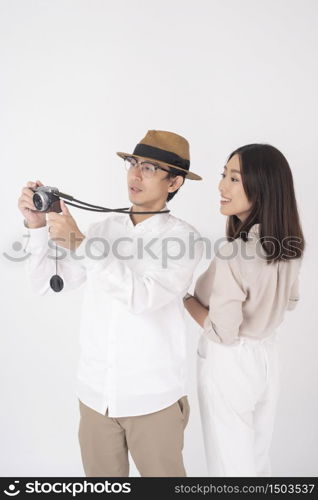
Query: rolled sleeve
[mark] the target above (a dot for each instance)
(294, 295)
(225, 306)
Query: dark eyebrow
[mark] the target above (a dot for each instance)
(233, 170)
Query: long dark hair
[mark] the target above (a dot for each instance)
(269, 187)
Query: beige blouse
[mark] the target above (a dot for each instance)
(245, 295)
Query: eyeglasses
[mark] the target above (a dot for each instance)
(147, 168)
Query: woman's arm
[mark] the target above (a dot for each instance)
(196, 309)
(223, 293)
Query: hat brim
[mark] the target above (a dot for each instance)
(188, 175)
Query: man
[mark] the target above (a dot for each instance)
(137, 269)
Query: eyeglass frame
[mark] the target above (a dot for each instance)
(157, 167)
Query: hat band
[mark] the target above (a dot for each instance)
(161, 155)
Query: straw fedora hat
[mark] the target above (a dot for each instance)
(167, 149)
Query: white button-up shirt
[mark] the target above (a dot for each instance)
(132, 336)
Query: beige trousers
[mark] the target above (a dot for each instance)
(155, 442)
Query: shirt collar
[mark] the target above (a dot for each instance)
(254, 231)
(153, 222)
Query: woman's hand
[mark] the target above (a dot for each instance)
(196, 309)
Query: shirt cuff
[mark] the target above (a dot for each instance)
(292, 303)
(37, 238)
(209, 330)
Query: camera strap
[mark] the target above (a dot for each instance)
(98, 208)
(56, 282)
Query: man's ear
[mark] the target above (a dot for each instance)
(175, 183)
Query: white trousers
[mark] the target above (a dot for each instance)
(238, 387)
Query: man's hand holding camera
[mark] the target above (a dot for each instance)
(63, 228)
(33, 218)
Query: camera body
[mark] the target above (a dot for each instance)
(46, 199)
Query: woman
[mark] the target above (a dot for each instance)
(240, 301)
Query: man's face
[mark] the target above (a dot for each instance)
(146, 186)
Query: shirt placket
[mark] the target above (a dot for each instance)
(110, 382)
(112, 391)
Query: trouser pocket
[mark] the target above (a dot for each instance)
(185, 409)
(202, 346)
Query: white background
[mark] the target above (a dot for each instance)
(83, 79)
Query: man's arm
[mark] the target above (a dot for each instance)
(41, 263)
(143, 291)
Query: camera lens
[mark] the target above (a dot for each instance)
(38, 201)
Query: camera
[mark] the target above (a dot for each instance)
(46, 199)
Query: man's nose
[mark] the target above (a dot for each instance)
(137, 171)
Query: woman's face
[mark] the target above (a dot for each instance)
(233, 197)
